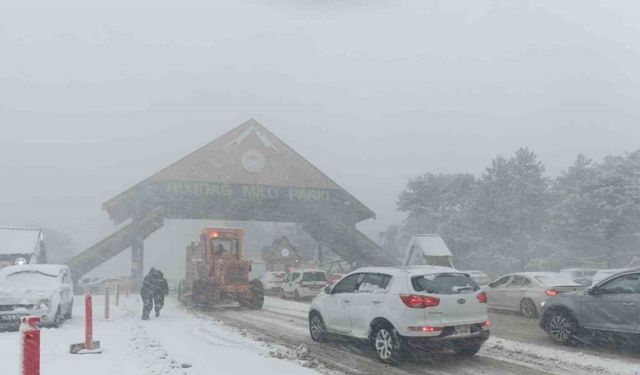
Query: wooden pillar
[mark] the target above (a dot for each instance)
(137, 263)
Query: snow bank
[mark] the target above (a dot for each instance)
(176, 343)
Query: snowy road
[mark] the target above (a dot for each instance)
(237, 341)
(177, 343)
(505, 353)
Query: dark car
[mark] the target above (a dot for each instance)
(610, 306)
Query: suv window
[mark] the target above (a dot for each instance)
(295, 276)
(626, 284)
(348, 284)
(500, 282)
(444, 283)
(374, 282)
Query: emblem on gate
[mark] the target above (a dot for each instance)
(253, 161)
(462, 301)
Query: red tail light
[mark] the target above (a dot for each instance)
(486, 323)
(419, 302)
(426, 329)
(482, 297)
(551, 292)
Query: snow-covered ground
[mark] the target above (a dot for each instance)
(176, 343)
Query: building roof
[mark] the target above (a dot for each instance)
(246, 155)
(19, 240)
(430, 245)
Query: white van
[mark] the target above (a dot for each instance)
(304, 283)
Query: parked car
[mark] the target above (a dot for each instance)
(42, 290)
(272, 282)
(481, 278)
(611, 306)
(398, 308)
(334, 278)
(304, 283)
(603, 274)
(526, 291)
(583, 276)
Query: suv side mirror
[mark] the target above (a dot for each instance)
(592, 291)
(327, 289)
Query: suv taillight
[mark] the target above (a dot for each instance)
(482, 297)
(419, 302)
(551, 292)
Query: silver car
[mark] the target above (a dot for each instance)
(525, 292)
(612, 305)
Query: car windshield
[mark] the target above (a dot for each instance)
(447, 283)
(277, 276)
(314, 276)
(28, 280)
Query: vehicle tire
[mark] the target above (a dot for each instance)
(57, 319)
(317, 328)
(467, 348)
(528, 309)
(256, 300)
(561, 327)
(387, 344)
(69, 313)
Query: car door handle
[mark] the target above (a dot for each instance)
(376, 302)
(345, 301)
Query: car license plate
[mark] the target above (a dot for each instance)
(463, 330)
(10, 317)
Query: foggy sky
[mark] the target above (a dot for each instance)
(94, 99)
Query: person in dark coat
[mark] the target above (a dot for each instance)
(158, 296)
(154, 289)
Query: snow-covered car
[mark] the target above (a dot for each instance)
(304, 283)
(612, 305)
(583, 276)
(272, 282)
(43, 290)
(525, 292)
(603, 274)
(481, 278)
(399, 308)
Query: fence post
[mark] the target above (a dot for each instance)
(106, 302)
(117, 293)
(88, 321)
(30, 345)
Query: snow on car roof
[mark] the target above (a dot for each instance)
(47, 269)
(19, 240)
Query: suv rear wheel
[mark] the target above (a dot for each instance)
(561, 327)
(467, 348)
(387, 344)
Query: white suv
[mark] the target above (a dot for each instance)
(399, 308)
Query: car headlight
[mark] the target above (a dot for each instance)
(43, 304)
